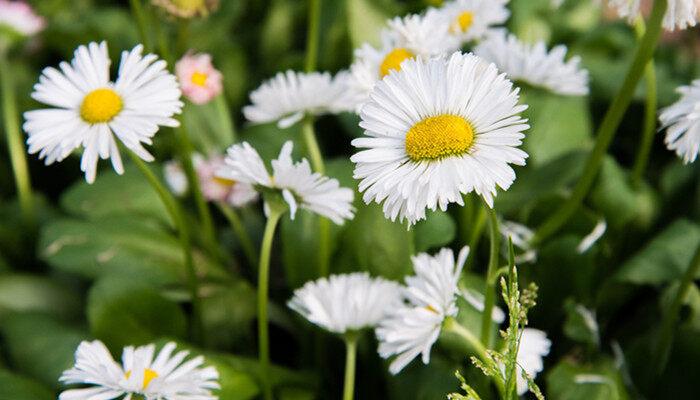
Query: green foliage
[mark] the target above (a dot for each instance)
(16, 387)
(27, 293)
(599, 380)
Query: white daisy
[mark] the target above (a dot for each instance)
(18, 18)
(165, 377)
(680, 14)
(343, 303)
(289, 95)
(90, 110)
(431, 295)
(682, 123)
(300, 187)
(405, 38)
(534, 65)
(534, 346)
(436, 130)
(470, 20)
(175, 177)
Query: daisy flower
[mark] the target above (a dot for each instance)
(200, 81)
(288, 96)
(680, 14)
(18, 18)
(682, 123)
(90, 111)
(470, 20)
(187, 8)
(437, 130)
(165, 377)
(299, 186)
(534, 346)
(349, 302)
(534, 65)
(431, 297)
(175, 177)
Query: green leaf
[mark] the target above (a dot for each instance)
(437, 230)
(124, 312)
(228, 312)
(580, 324)
(39, 346)
(16, 387)
(235, 384)
(665, 258)
(599, 381)
(24, 293)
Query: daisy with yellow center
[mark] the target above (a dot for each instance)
(200, 81)
(470, 20)
(90, 111)
(142, 372)
(437, 130)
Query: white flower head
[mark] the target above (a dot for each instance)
(90, 111)
(19, 18)
(534, 65)
(167, 376)
(299, 186)
(175, 177)
(534, 346)
(349, 302)
(470, 20)
(682, 123)
(437, 130)
(289, 95)
(680, 14)
(431, 297)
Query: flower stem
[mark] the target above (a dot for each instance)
(18, 155)
(240, 231)
(640, 163)
(607, 129)
(141, 23)
(312, 144)
(177, 215)
(263, 289)
(491, 274)
(475, 236)
(227, 128)
(670, 317)
(312, 35)
(350, 359)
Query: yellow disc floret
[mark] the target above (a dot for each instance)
(438, 137)
(148, 376)
(199, 78)
(463, 22)
(224, 181)
(189, 6)
(101, 105)
(393, 60)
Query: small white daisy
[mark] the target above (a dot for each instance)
(349, 302)
(406, 38)
(470, 20)
(166, 377)
(682, 123)
(436, 130)
(534, 65)
(287, 96)
(18, 18)
(680, 14)
(299, 186)
(534, 346)
(90, 111)
(431, 295)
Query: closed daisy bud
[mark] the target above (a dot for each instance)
(199, 80)
(142, 372)
(187, 8)
(18, 20)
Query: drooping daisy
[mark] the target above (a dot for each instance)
(349, 302)
(436, 130)
(299, 186)
(431, 295)
(18, 19)
(682, 123)
(288, 96)
(187, 8)
(534, 346)
(470, 20)
(534, 65)
(680, 14)
(200, 81)
(165, 377)
(90, 111)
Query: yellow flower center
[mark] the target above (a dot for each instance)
(431, 309)
(199, 78)
(148, 376)
(224, 181)
(101, 105)
(189, 5)
(438, 137)
(393, 60)
(463, 22)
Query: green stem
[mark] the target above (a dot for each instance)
(475, 237)
(183, 34)
(227, 128)
(141, 23)
(640, 163)
(607, 129)
(668, 322)
(350, 359)
(263, 289)
(324, 246)
(491, 275)
(177, 215)
(163, 45)
(312, 35)
(312, 144)
(240, 231)
(18, 155)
